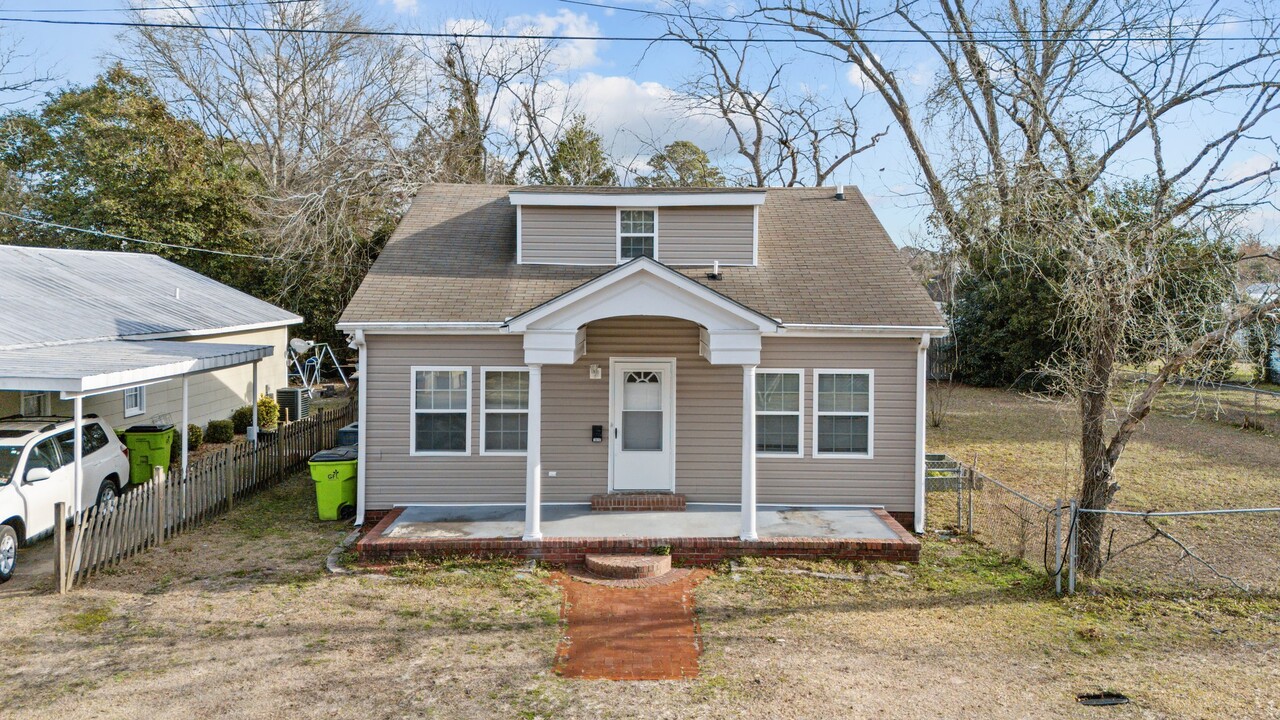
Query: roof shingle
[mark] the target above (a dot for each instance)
(821, 261)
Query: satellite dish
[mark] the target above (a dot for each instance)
(300, 346)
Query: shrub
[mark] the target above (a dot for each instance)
(220, 431)
(195, 437)
(268, 416)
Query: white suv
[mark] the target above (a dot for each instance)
(36, 471)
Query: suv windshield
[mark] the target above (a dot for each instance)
(9, 455)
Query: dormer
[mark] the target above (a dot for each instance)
(680, 227)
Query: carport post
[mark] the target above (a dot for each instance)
(185, 389)
(253, 402)
(77, 405)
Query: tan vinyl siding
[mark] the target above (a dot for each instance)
(887, 479)
(702, 235)
(708, 421)
(394, 477)
(569, 235)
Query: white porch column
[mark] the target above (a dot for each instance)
(77, 405)
(922, 371)
(533, 466)
(185, 421)
(749, 452)
(253, 401)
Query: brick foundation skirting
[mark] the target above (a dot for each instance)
(373, 547)
(638, 502)
(905, 519)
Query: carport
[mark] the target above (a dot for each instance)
(80, 370)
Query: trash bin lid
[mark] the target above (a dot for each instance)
(150, 428)
(342, 453)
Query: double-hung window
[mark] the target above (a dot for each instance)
(843, 406)
(34, 404)
(135, 401)
(441, 410)
(637, 234)
(505, 411)
(779, 399)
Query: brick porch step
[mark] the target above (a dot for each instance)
(629, 567)
(638, 502)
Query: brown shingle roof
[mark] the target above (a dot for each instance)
(822, 261)
(631, 190)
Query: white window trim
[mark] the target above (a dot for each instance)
(617, 218)
(142, 401)
(798, 413)
(484, 411)
(414, 411)
(870, 414)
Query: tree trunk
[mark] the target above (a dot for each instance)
(1096, 487)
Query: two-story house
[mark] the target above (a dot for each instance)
(641, 348)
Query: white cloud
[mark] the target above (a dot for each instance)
(568, 54)
(403, 7)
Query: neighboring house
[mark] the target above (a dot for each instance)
(122, 330)
(554, 344)
(1266, 292)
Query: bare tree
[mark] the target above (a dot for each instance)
(786, 136)
(1049, 104)
(321, 117)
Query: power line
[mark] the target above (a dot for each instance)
(606, 38)
(127, 239)
(777, 23)
(159, 7)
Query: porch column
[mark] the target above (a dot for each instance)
(185, 429)
(253, 401)
(749, 452)
(533, 461)
(77, 405)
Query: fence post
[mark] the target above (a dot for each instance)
(1072, 539)
(973, 478)
(158, 479)
(1057, 545)
(228, 476)
(60, 546)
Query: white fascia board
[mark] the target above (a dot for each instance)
(423, 328)
(631, 200)
(902, 331)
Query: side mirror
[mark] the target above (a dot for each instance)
(38, 474)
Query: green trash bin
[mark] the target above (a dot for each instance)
(334, 472)
(149, 445)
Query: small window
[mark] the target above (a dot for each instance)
(637, 234)
(442, 410)
(35, 404)
(778, 403)
(135, 401)
(842, 411)
(506, 411)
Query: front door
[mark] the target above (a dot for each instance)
(642, 441)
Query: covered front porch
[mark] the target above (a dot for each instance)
(704, 532)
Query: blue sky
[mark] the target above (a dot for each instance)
(623, 87)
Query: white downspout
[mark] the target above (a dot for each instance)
(922, 371)
(362, 430)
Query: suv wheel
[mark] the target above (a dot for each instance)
(107, 496)
(8, 551)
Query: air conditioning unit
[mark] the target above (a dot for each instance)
(295, 403)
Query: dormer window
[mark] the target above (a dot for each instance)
(637, 234)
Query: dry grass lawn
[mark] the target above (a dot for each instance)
(238, 619)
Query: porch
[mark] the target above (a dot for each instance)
(703, 533)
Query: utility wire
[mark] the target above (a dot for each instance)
(776, 23)
(126, 239)
(615, 38)
(159, 7)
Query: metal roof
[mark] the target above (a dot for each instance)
(89, 368)
(53, 296)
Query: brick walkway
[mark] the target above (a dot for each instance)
(624, 633)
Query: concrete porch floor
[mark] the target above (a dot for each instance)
(699, 520)
(702, 534)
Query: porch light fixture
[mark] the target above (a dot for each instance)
(593, 373)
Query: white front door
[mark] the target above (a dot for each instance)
(642, 400)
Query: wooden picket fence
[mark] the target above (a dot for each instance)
(147, 515)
